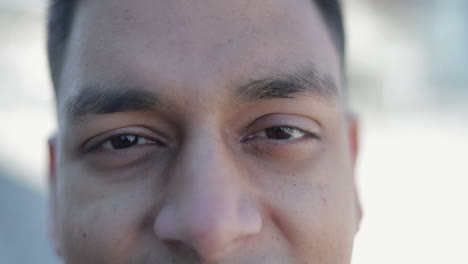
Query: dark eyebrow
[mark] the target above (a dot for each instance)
(95, 101)
(307, 80)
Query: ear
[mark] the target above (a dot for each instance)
(353, 139)
(53, 216)
(353, 136)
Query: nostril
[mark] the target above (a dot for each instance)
(180, 248)
(175, 245)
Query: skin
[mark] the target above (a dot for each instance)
(205, 183)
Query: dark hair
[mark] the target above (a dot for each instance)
(60, 18)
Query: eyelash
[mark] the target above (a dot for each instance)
(107, 144)
(135, 137)
(108, 141)
(264, 133)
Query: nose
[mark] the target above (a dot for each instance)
(208, 206)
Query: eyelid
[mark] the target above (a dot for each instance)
(304, 124)
(304, 133)
(140, 138)
(142, 132)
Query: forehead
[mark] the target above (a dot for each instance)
(192, 44)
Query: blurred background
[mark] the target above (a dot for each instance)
(408, 76)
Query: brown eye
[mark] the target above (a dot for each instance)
(281, 133)
(125, 141)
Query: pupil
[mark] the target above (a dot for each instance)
(124, 141)
(279, 132)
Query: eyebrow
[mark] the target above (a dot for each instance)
(307, 80)
(94, 101)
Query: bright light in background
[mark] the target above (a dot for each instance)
(408, 67)
(408, 76)
(26, 105)
(413, 181)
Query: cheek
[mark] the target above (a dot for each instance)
(102, 232)
(313, 211)
(103, 222)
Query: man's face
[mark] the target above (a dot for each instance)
(202, 132)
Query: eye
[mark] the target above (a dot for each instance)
(125, 141)
(281, 133)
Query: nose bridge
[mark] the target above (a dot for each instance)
(208, 206)
(210, 180)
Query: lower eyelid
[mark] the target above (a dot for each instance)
(105, 159)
